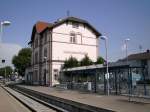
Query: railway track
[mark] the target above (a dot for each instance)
(56, 103)
(32, 103)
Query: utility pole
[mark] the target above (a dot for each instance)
(3, 61)
(107, 71)
(129, 72)
(140, 47)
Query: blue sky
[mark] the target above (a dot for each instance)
(117, 19)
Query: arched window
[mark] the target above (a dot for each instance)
(45, 52)
(36, 57)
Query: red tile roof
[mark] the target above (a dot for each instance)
(41, 26)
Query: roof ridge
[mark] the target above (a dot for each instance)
(140, 53)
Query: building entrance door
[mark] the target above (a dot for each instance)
(44, 78)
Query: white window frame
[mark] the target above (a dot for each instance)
(73, 37)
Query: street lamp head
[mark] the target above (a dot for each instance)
(127, 39)
(103, 37)
(6, 23)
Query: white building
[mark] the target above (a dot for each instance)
(53, 43)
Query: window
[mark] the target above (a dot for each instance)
(35, 75)
(79, 37)
(75, 25)
(45, 52)
(36, 43)
(73, 38)
(45, 38)
(55, 74)
(36, 57)
(55, 70)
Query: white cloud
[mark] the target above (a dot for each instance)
(7, 51)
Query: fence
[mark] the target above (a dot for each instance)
(122, 80)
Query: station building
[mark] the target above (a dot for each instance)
(53, 43)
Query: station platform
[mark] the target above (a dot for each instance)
(9, 104)
(115, 103)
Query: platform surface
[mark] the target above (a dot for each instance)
(115, 103)
(10, 104)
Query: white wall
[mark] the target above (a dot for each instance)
(62, 48)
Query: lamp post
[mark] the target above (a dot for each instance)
(45, 59)
(106, 48)
(129, 75)
(3, 61)
(126, 45)
(3, 23)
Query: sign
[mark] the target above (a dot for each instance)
(89, 86)
(107, 76)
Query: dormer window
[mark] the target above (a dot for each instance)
(75, 25)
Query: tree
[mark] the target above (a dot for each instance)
(86, 61)
(100, 60)
(22, 60)
(8, 70)
(71, 62)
